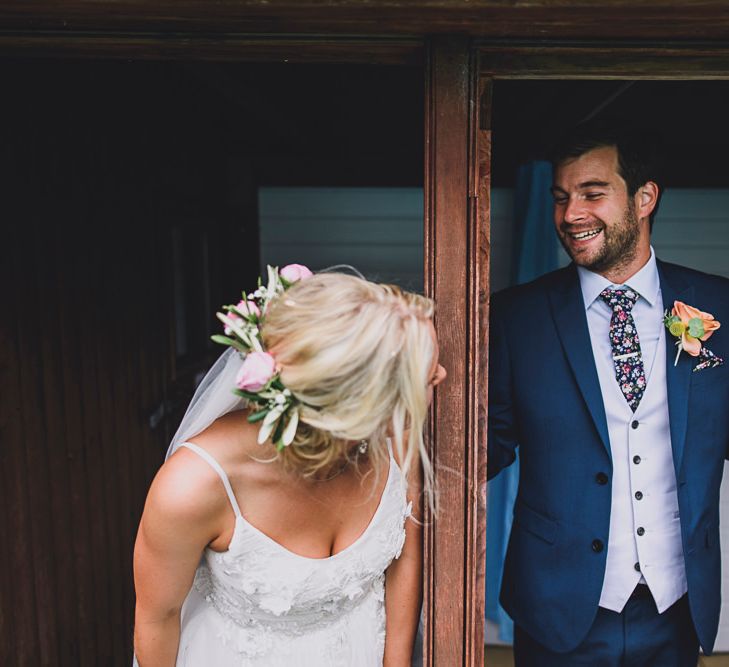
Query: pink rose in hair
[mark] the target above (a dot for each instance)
(247, 307)
(295, 272)
(257, 369)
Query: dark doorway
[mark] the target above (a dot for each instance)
(129, 214)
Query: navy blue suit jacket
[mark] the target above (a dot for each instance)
(545, 398)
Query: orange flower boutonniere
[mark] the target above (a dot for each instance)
(692, 327)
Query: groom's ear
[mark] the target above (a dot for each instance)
(646, 199)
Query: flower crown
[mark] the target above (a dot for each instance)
(258, 379)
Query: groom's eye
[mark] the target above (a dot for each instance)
(592, 196)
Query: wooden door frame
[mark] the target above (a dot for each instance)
(456, 261)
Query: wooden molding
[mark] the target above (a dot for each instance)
(213, 47)
(584, 60)
(456, 260)
(533, 19)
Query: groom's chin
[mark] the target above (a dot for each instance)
(592, 259)
(583, 259)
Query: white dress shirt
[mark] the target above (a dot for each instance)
(644, 544)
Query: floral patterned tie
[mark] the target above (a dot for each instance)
(627, 357)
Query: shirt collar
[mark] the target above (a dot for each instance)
(646, 282)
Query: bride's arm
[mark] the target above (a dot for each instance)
(179, 520)
(404, 583)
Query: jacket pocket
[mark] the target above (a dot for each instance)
(535, 523)
(716, 376)
(711, 537)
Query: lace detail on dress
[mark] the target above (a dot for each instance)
(268, 598)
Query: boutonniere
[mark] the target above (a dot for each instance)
(692, 327)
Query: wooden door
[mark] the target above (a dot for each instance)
(92, 206)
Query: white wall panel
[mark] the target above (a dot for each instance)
(502, 214)
(379, 231)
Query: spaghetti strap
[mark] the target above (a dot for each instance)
(221, 473)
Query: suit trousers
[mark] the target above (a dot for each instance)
(637, 637)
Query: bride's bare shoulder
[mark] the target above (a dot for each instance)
(231, 439)
(184, 492)
(187, 483)
(186, 495)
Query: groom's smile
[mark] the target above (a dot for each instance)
(583, 236)
(581, 242)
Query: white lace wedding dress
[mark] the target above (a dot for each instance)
(260, 605)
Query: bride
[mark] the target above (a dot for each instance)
(305, 549)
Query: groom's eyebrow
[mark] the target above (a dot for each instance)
(582, 186)
(585, 185)
(593, 184)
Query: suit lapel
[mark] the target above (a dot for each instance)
(678, 377)
(570, 319)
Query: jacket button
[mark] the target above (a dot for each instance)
(601, 478)
(638, 495)
(597, 546)
(636, 459)
(637, 567)
(634, 424)
(640, 531)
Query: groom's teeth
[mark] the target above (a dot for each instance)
(585, 235)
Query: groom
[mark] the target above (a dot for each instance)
(614, 555)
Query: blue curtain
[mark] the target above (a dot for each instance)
(535, 253)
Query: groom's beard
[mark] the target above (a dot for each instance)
(619, 244)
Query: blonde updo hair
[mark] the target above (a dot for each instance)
(357, 355)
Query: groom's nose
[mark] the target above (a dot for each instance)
(573, 211)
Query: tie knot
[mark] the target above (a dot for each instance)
(619, 299)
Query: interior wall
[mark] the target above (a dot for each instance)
(378, 231)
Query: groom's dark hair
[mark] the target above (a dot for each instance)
(637, 148)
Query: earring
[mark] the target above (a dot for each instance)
(362, 447)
